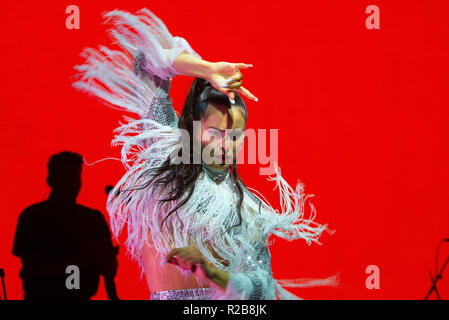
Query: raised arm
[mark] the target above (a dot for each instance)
(137, 78)
(223, 76)
(160, 108)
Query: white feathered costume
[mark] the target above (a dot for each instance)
(112, 75)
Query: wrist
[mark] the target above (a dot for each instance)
(207, 70)
(189, 65)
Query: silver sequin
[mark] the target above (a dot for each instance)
(184, 294)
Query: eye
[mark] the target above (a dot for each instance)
(215, 133)
(235, 133)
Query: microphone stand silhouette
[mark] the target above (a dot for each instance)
(2, 275)
(438, 275)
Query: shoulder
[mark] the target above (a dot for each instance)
(93, 215)
(33, 210)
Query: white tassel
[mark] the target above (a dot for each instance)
(331, 281)
(290, 223)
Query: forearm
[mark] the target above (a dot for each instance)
(219, 277)
(189, 65)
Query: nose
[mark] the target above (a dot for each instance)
(226, 143)
(230, 139)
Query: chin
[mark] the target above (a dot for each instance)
(221, 165)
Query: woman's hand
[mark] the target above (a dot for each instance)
(190, 258)
(226, 77)
(223, 76)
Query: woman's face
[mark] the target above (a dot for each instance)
(222, 134)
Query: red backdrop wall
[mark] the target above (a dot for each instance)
(361, 117)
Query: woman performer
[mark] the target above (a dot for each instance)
(194, 227)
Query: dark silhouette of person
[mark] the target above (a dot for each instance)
(64, 246)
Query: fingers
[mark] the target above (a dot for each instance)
(174, 255)
(234, 85)
(237, 76)
(237, 87)
(234, 82)
(189, 259)
(223, 89)
(184, 255)
(242, 65)
(247, 94)
(171, 254)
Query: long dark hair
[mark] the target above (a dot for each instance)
(181, 177)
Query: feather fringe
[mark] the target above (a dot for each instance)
(110, 75)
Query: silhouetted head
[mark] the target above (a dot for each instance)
(64, 175)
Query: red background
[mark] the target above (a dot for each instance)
(361, 117)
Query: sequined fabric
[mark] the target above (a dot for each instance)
(161, 109)
(184, 294)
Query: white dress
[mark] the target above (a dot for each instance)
(112, 76)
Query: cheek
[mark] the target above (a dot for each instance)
(203, 138)
(209, 139)
(236, 145)
(206, 138)
(239, 141)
